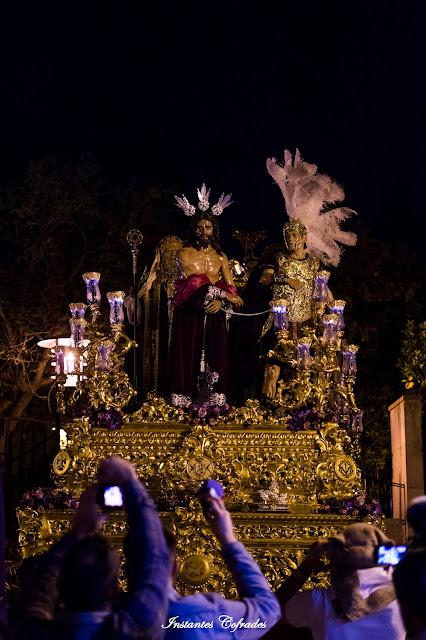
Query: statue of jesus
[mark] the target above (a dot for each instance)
(205, 292)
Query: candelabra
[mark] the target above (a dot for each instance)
(323, 371)
(91, 361)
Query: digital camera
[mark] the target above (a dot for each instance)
(109, 497)
(390, 555)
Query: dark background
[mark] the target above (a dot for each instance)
(181, 92)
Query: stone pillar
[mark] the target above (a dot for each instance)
(407, 454)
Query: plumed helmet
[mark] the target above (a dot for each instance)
(295, 225)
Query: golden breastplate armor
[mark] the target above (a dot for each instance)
(300, 300)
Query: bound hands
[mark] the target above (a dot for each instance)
(215, 305)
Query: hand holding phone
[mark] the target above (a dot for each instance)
(88, 519)
(109, 497)
(210, 489)
(211, 496)
(390, 555)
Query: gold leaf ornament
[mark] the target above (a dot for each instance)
(61, 463)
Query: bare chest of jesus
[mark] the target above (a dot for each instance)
(200, 261)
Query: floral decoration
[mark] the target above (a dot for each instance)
(306, 418)
(48, 498)
(211, 411)
(361, 506)
(111, 419)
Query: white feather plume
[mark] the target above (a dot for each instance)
(307, 195)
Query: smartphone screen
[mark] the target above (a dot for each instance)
(113, 498)
(390, 555)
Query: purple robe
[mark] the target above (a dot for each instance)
(187, 335)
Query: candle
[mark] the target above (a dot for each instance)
(91, 278)
(69, 362)
(357, 426)
(349, 367)
(77, 309)
(321, 286)
(78, 328)
(116, 300)
(59, 367)
(103, 361)
(330, 322)
(279, 310)
(338, 307)
(304, 358)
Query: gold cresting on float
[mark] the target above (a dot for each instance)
(307, 465)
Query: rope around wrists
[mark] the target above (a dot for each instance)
(259, 313)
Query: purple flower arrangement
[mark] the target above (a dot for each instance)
(207, 412)
(48, 498)
(304, 419)
(361, 506)
(111, 419)
(309, 419)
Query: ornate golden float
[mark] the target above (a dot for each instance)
(173, 458)
(276, 480)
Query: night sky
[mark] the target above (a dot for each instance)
(181, 92)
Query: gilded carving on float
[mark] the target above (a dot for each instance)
(337, 471)
(274, 479)
(277, 541)
(200, 468)
(252, 413)
(304, 465)
(156, 410)
(61, 463)
(195, 569)
(345, 468)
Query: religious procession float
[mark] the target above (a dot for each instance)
(259, 396)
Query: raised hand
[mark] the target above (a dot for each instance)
(220, 521)
(88, 519)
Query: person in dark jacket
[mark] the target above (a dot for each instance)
(81, 571)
